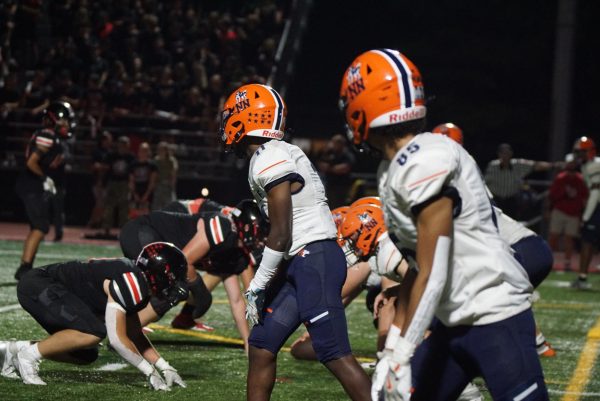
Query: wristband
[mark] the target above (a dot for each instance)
(145, 367)
(392, 336)
(162, 364)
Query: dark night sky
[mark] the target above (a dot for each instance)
(487, 63)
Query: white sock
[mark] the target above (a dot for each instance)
(540, 340)
(33, 352)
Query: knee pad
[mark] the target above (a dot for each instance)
(85, 356)
(329, 334)
(203, 304)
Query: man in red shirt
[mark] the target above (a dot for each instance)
(568, 193)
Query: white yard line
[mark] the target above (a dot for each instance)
(112, 367)
(9, 308)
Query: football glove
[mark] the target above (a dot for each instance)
(170, 373)
(381, 369)
(255, 300)
(398, 382)
(157, 382)
(49, 185)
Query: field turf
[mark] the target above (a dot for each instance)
(214, 365)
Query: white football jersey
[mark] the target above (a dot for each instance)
(485, 282)
(511, 230)
(278, 161)
(591, 176)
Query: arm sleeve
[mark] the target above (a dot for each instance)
(113, 309)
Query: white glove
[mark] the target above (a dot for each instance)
(388, 260)
(170, 373)
(398, 382)
(255, 301)
(49, 186)
(381, 370)
(157, 382)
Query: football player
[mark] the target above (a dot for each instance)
(584, 150)
(302, 271)
(34, 185)
(66, 299)
(531, 250)
(467, 276)
(216, 243)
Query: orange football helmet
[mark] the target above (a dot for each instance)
(381, 87)
(585, 148)
(450, 130)
(362, 227)
(338, 215)
(252, 110)
(367, 200)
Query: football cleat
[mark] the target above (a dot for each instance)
(27, 365)
(581, 284)
(183, 321)
(203, 327)
(6, 356)
(546, 350)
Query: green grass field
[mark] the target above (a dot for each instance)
(216, 370)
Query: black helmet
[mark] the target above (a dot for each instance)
(57, 111)
(163, 264)
(252, 226)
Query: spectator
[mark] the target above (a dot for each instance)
(335, 163)
(117, 186)
(167, 168)
(568, 193)
(142, 181)
(504, 178)
(99, 171)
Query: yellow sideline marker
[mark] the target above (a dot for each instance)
(223, 339)
(585, 365)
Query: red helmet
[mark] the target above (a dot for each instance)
(381, 87)
(252, 110)
(450, 130)
(585, 148)
(362, 227)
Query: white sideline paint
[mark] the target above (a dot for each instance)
(112, 367)
(9, 308)
(57, 256)
(561, 392)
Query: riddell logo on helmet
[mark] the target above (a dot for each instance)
(272, 134)
(405, 116)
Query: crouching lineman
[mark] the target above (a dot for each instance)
(66, 299)
(220, 244)
(302, 271)
(467, 276)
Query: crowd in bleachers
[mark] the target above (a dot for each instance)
(119, 61)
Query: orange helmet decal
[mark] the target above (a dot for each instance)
(381, 87)
(585, 147)
(450, 130)
(253, 110)
(367, 200)
(362, 227)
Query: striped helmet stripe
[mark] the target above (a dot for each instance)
(278, 107)
(402, 71)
